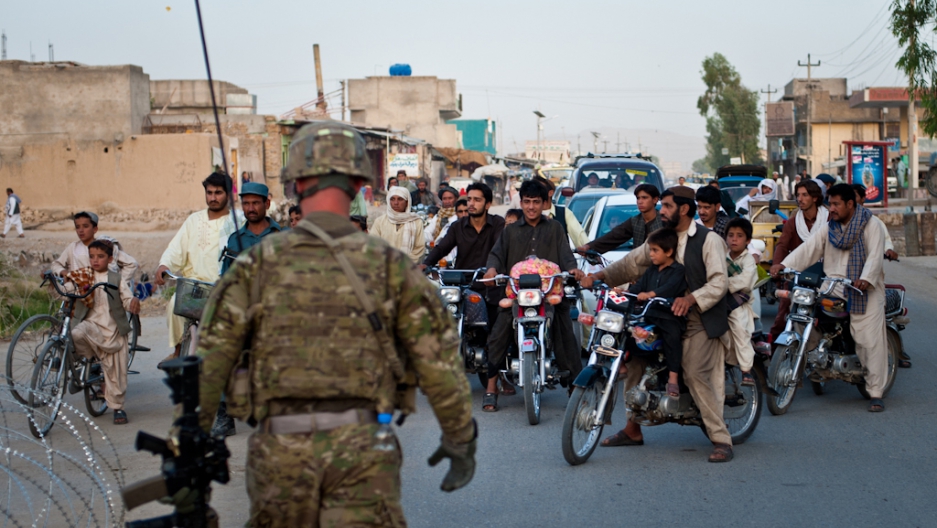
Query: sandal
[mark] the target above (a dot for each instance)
(721, 453)
(120, 417)
(621, 439)
(904, 363)
(876, 405)
(673, 390)
(490, 402)
(747, 379)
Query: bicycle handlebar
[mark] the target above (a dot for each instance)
(55, 283)
(170, 275)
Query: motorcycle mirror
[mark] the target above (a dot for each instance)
(773, 206)
(567, 191)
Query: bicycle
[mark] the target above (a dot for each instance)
(33, 335)
(57, 367)
(191, 297)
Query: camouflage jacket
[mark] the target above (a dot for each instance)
(310, 339)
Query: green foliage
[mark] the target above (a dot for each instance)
(702, 166)
(918, 60)
(20, 298)
(731, 112)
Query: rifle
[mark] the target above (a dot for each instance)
(191, 457)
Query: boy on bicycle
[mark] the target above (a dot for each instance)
(75, 255)
(100, 327)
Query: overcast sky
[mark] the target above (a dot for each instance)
(624, 65)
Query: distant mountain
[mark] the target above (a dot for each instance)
(669, 147)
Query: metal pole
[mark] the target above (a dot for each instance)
(343, 99)
(809, 65)
(320, 99)
(912, 128)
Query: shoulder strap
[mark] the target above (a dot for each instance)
(355, 282)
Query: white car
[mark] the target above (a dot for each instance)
(607, 213)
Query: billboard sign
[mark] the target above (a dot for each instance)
(780, 117)
(867, 166)
(405, 162)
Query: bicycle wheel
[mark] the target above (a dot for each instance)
(189, 342)
(48, 388)
(28, 342)
(92, 380)
(132, 338)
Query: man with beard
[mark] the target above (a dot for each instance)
(852, 246)
(811, 214)
(703, 254)
(446, 214)
(194, 251)
(537, 235)
(255, 199)
(635, 228)
(422, 195)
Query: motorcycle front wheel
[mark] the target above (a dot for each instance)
(780, 373)
(530, 376)
(580, 434)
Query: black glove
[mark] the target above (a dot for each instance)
(462, 468)
(184, 500)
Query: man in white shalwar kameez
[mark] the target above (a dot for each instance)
(195, 251)
(852, 245)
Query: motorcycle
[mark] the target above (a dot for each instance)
(611, 343)
(816, 340)
(532, 364)
(468, 309)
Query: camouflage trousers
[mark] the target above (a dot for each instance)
(330, 478)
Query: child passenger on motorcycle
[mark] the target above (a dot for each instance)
(743, 275)
(667, 279)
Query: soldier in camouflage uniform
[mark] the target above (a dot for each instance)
(317, 374)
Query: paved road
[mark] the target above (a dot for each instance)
(827, 462)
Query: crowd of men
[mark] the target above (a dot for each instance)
(337, 322)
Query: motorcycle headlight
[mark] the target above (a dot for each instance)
(803, 296)
(530, 312)
(529, 297)
(610, 321)
(450, 295)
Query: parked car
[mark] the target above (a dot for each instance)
(581, 202)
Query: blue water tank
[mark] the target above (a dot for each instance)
(400, 70)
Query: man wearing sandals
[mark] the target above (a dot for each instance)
(702, 252)
(852, 246)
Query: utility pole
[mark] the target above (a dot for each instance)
(595, 141)
(342, 82)
(51, 54)
(618, 142)
(809, 65)
(32, 56)
(605, 147)
(540, 116)
(912, 128)
(3, 45)
(768, 92)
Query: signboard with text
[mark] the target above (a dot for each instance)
(867, 166)
(404, 162)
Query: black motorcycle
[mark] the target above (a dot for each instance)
(469, 310)
(817, 341)
(611, 344)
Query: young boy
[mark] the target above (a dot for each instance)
(743, 275)
(296, 214)
(101, 330)
(75, 255)
(666, 278)
(512, 215)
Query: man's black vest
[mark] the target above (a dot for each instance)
(716, 319)
(561, 218)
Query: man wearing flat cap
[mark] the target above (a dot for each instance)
(703, 253)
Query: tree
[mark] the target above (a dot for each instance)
(919, 59)
(731, 112)
(702, 166)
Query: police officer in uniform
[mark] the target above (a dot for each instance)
(299, 336)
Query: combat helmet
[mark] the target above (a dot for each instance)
(334, 152)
